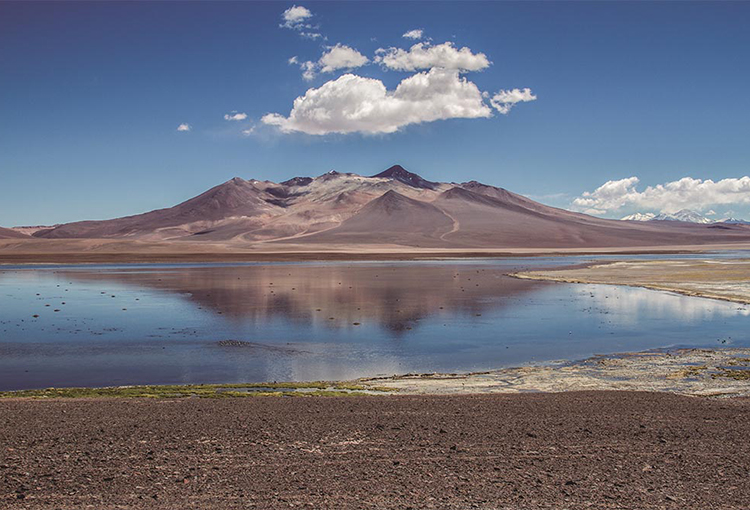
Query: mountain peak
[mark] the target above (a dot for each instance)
(297, 181)
(399, 173)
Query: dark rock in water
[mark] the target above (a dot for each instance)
(255, 345)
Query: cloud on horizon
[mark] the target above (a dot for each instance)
(670, 197)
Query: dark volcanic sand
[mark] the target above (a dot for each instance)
(570, 450)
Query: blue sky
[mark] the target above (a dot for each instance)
(91, 95)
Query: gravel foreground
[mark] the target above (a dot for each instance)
(525, 451)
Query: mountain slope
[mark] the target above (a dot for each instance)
(391, 218)
(7, 233)
(504, 219)
(235, 198)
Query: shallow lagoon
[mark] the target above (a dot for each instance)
(206, 323)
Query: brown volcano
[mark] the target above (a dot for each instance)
(392, 208)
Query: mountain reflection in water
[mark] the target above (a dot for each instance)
(394, 297)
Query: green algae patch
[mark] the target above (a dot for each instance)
(243, 390)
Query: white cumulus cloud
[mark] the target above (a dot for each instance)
(295, 16)
(426, 56)
(414, 34)
(670, 197)
(308, 70)
(353, 103)
(341, 57)
(334, 58)
(504, 100)
(235, 115)
(183, 127)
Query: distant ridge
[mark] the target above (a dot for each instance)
(392, 208)
(7, 233)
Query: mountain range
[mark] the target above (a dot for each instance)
(687, 215)
(391, 208)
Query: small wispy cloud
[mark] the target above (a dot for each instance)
(184, 127)
(504, 100)
(235, 115)
(414, 34)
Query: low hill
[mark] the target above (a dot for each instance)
(7, 233)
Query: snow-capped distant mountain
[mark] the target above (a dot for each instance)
(734, 221)
(684, 215)
(639, 217)
(687, 215)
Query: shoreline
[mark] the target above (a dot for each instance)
(68, 252)
(725, 280)
(175, 258)
(720, 372)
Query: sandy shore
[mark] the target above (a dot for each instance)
(716, 278)
(531, 451)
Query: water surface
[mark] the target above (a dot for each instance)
(151, 324)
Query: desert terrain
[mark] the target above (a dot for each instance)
(571, 450)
